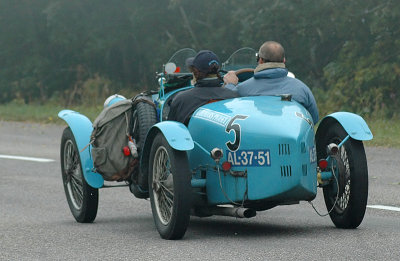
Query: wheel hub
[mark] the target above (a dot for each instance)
(156, 186)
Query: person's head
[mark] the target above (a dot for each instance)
(205, 63)
(271, 51)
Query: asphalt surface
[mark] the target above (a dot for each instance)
(36, 224)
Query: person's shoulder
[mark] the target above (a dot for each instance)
(184, 93)
(296, 81)
(179, 98)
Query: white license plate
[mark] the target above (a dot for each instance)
(251, 158)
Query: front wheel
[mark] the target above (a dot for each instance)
(170, 189)
(346, 195)
(82, 199)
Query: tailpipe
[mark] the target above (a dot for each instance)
(238, 212)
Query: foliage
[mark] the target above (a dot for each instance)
(365, 75)
(79, 52)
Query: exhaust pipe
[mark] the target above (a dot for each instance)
(238, 212)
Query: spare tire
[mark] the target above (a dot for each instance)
(144, 117)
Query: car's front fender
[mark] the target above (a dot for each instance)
(82, 128)
(352, 123)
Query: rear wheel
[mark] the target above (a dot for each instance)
(170, 189)
(347, 195)
(82, 199)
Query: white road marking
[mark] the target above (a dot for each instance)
(384, 207)
(25, 158)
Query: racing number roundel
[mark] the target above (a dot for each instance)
(233, 146)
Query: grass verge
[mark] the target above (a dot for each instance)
(386, 131)
(42, 113)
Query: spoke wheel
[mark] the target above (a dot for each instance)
(73, 179)
(170, 190)
(82, 199)
(162, 186)
(341, 167)
(348, 193)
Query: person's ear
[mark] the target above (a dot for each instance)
(284, 60)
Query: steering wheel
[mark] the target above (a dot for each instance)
(244, 74)
(244, 70)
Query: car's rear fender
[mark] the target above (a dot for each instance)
(352, 123)
(178, 138)
(82, 128)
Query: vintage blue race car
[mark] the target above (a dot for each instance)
(235, 157)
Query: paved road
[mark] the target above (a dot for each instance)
(35, 222)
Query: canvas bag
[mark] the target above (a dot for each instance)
(109, 137)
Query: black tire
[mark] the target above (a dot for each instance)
(352, 176)
(170, 189)
(83, 200)
(144, 117)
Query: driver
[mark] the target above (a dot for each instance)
(271, 78)
(207, 87)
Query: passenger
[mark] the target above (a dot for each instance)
(207, 87)
(270, 78)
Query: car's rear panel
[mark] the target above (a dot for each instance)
(268, 141)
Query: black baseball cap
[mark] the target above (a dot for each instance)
(203, 61)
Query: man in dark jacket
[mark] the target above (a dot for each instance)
(204, 66)
(271, 78)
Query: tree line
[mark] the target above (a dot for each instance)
(81, 51)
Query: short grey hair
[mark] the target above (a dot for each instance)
(272, 51)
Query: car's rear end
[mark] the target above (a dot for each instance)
(269, 155)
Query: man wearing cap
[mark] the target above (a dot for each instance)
(271, 78)
(204, 66)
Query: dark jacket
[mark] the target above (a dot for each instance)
(186, 102)
(275, 81)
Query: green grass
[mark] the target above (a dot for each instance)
(42, 113)
(386, 132)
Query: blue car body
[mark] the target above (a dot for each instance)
(275, 149)
(252, 153)
(274, 153)
(268, 142)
